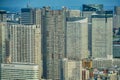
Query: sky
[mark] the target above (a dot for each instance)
(74, 4)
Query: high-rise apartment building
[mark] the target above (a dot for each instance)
(3, 16)
(25, 43)
(53, 31)
(101, 39)
(77, 38)
(30, 16)
(2, 42)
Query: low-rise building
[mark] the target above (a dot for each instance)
(16, 71)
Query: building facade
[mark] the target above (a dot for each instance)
(71, 70)
(30, 16)
(116, 50)
(25, 44)
(101, 32)
(74, 13)
(3, 16)
(17, 71)
(117, 17)
(77, 39)
(102, 63)
(53, 39)
(2, 42)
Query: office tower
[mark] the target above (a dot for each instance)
(27, 16)
(53, 31)
(2, 42)
(30, 16)
(116, 50)
(101, 40)
(117, 17)
(17, 71)
(77, 38)
(25, 43)
(3, 16)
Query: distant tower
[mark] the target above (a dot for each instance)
(27, 16)
(30, 16)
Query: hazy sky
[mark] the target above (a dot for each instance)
(56, 3)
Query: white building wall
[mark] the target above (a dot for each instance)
(77, 39)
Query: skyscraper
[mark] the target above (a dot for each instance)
(101, 40)
(77, 38)
(25, 44)
(87, 11)
(53, 31)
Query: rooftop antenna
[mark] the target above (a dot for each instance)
(28, 4)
